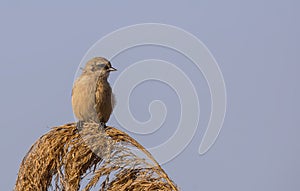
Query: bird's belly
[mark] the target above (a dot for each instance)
(92, 101)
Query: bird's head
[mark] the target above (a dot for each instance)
(98, 66)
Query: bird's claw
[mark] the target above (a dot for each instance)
(79, 125)
(102, 125)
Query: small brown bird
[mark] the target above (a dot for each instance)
(92, 97)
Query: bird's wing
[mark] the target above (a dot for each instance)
(103, 101)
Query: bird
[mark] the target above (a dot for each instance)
(92, 97)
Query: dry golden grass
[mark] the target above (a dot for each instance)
(90, 159)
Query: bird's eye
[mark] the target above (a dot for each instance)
(106, 67)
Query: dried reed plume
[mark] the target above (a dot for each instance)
(90, 159)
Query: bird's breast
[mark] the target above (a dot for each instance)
(83, 98)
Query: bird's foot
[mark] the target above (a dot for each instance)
(102, 125)
(79, 125)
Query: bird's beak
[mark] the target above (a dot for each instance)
(111, 69)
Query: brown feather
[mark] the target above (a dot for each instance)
(103, 100)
